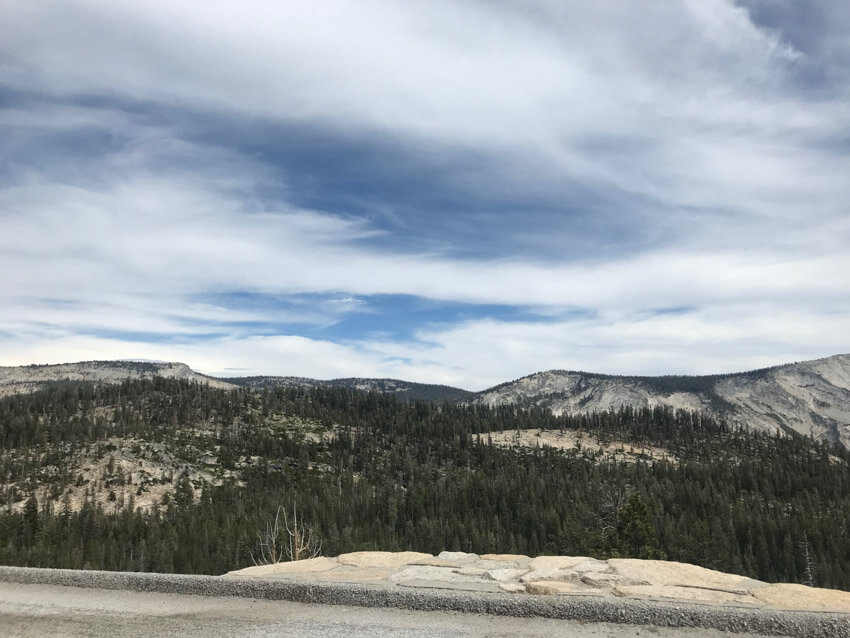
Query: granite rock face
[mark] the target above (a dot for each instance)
(616, 578)
(810, 398)
(20, 379)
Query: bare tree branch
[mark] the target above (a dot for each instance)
(300, 541)
(304, 542)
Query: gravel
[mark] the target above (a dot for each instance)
(574, 607)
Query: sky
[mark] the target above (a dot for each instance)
(448, 191)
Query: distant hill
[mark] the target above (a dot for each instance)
(18, 379)
(809, 398)
(173, 475)
(403, 389)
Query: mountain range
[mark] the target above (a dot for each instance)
(174, 471)
(811, 398)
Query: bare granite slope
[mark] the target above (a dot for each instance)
(17, 379)
(582, 576)
(811, 397)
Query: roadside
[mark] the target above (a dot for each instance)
(652, 615)
(27, 611)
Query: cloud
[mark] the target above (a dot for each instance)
(239, 181)
(168, 237)
(480, 353)
(685, 103)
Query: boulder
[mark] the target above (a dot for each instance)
(673, 592)
(659, 572)
(504, 575)
(421, 573)
(557, 562)
(307, 566)
(790, 596)
(381, 559)
(459, 557)
(517, 558)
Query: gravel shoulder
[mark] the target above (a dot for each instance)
(64, 612)
(628, 612)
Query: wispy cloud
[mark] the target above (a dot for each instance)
(233, 186)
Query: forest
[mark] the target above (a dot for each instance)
(371, 471)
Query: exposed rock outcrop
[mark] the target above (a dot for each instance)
(17, 379)
(810, 398)
(556, 575)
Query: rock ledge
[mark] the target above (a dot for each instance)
(556, 575)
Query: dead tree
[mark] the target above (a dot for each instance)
(294, 540)
(808, 574)
(304, 541)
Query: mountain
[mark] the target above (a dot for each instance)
(173, 475)
(809, 398)
(18, 379)
(406, 390)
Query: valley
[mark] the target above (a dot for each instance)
(174, 475)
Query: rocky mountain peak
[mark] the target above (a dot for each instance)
(810, 397)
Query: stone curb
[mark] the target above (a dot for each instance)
(798, 624)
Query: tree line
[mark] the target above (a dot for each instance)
(394, 475)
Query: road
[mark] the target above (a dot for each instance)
(51, 610)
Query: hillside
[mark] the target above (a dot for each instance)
(809, 398)
(19, 379)
(406, 390)
(175, 476)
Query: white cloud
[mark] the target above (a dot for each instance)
(129, 253)
(688, 108)
(159, 236)
(700, 93)
(478, 354)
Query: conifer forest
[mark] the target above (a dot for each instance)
(369, 471)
